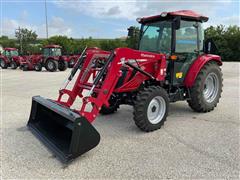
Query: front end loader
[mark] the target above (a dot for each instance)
(170, 65)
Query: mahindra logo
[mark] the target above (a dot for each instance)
(147, 55)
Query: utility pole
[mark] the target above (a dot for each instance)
(20, 38)
(46, 18)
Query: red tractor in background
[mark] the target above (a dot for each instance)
(72, 59)
(10, 58)
(52, 59)
(173, 63)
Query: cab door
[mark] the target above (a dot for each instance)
(188, 46)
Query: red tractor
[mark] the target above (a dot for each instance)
(72, 59)
(170, 65)
(10, 58)
(51, 59)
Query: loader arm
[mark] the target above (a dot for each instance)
(106, 78)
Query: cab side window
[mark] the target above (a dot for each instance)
(7, 53)
(186, 37)
(46, 52)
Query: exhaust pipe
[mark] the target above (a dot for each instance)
(66, 133)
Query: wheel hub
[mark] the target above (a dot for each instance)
(211, 87)
(50, 65)
(72, 62)
(156, 109)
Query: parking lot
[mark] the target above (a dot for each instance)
(190, 145)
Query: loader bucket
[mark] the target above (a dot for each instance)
(63, 131)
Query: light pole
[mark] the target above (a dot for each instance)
(20, 38)
(46, 18)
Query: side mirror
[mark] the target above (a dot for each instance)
(177, 22)
(210, 47)
(131, 31)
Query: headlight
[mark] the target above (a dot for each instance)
(139, 20)
(164, 14)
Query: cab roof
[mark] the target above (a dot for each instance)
(184, 14)
(52, 46)
(10, 49)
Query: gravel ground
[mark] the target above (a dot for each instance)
(190, 145)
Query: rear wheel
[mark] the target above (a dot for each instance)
(207, 89)
(62, 65)
(13, 65)
(3, 64)
(51, 65)
(38, 67)
(151, 108)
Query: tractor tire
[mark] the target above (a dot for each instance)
(62, 65)
(38, 67)
(3, 64)
(207, 88)
(151, 108)
(13, 65)
(25, 68)
(71, 63)
(113, 107)
(51, 65)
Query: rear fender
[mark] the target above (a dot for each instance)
(197, 66)
(64, 58)
(56, 58)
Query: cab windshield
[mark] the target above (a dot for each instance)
(14, 53)
(156, 37)
(52, 52)
(11, 53)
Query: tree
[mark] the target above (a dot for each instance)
(64, 41)
(25, 38)
(109, 45)
(227, 40)
(133, 37)
(6, 42)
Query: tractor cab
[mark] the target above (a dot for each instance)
(10, 52)
(52, 50)
(179, 35)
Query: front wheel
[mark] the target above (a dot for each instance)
(207, 88)
(25, 67)
(38, 67)
(151, 108)
(71, 63)
(3, 64)
(62, 65)
(13, 65)
(51, 65)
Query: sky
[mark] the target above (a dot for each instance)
(103, 19)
